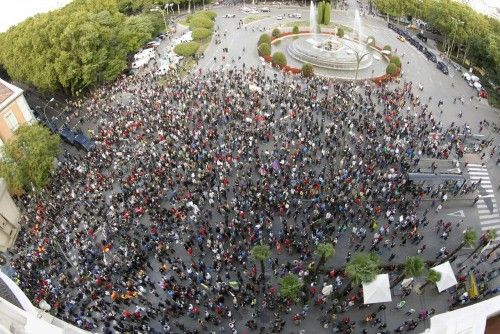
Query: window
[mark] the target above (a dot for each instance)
(11, 121)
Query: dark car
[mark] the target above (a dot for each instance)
(431, 56)
(390, 25)
(422, 37)
(83, 142)
(67, 135)
(442, 67)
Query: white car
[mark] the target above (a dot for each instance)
(279, 17)
(253, 11)
(246, 9)
(230, 16)
(297, 15)
(265, 9)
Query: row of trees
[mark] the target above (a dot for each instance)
(77, 46)
(364, 267)
(467, 35)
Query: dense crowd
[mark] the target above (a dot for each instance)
(152, 231)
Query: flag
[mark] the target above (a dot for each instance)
(473, 292)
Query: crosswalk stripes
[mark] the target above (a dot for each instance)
(487, 219)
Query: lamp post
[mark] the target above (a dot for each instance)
(360, 55)
(45, 107)
(158, 9)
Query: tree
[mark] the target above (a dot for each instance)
(264, 49)
(264, 38)
(307, 70)
(187, 49)
(432, 277)
(414, 267)
(279, 59)
(28, 158)
(370, 40)
(276, 33)
(340, 32)
(295, 30)
(483, 241)
(363, 268)
(469, 238)
(290, 287)
(73, 48)
(261, 253)
(387, 48)
(326, 13)
(324, 251)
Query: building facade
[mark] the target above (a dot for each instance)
(14, 110)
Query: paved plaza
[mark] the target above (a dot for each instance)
(153, 231)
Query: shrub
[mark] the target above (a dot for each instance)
(370, 40)
(396, 61)
(279, 59)
(264, 49)
(264, 38)
(276, 33)
(295, 30)
(206, 13)
(186, 49)
(321, 10)
(201, 33)
(307, 70)
(326, 13)
(387, 47)
(340, 32)
(200, 21)
(391, 69)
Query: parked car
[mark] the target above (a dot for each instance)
(279, 17)
(431, 56)
(230, 16)
(83, 142)
(401, 38)
(442, 67)
(297, 15)
(422, 37)
(265, 9)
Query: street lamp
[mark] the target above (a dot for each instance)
(46, 104)
(158, 9)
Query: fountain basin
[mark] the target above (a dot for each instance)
(329, 51)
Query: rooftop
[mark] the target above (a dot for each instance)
(5, 92)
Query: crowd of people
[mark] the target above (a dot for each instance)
(152, 231)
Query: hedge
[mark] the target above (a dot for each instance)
(340, 32)
(279, 59)
(200, 22)
(387, 47)
(396, 61)
(201, 33)
(206, 13)
(264, 49)
(264, 38)
(391, 69)
(295, 30)
(276, 33)
(187, 49)
(307, 70)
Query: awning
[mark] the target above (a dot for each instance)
(377, 291)
(448, 278)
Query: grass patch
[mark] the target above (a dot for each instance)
(305, 23)
(254, 18)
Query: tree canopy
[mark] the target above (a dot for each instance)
(28, 158)
(77, 46)
(473, 36)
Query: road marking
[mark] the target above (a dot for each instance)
(488, 220)
(459, 213)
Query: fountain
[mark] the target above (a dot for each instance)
(313, 21)
(357, 25)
